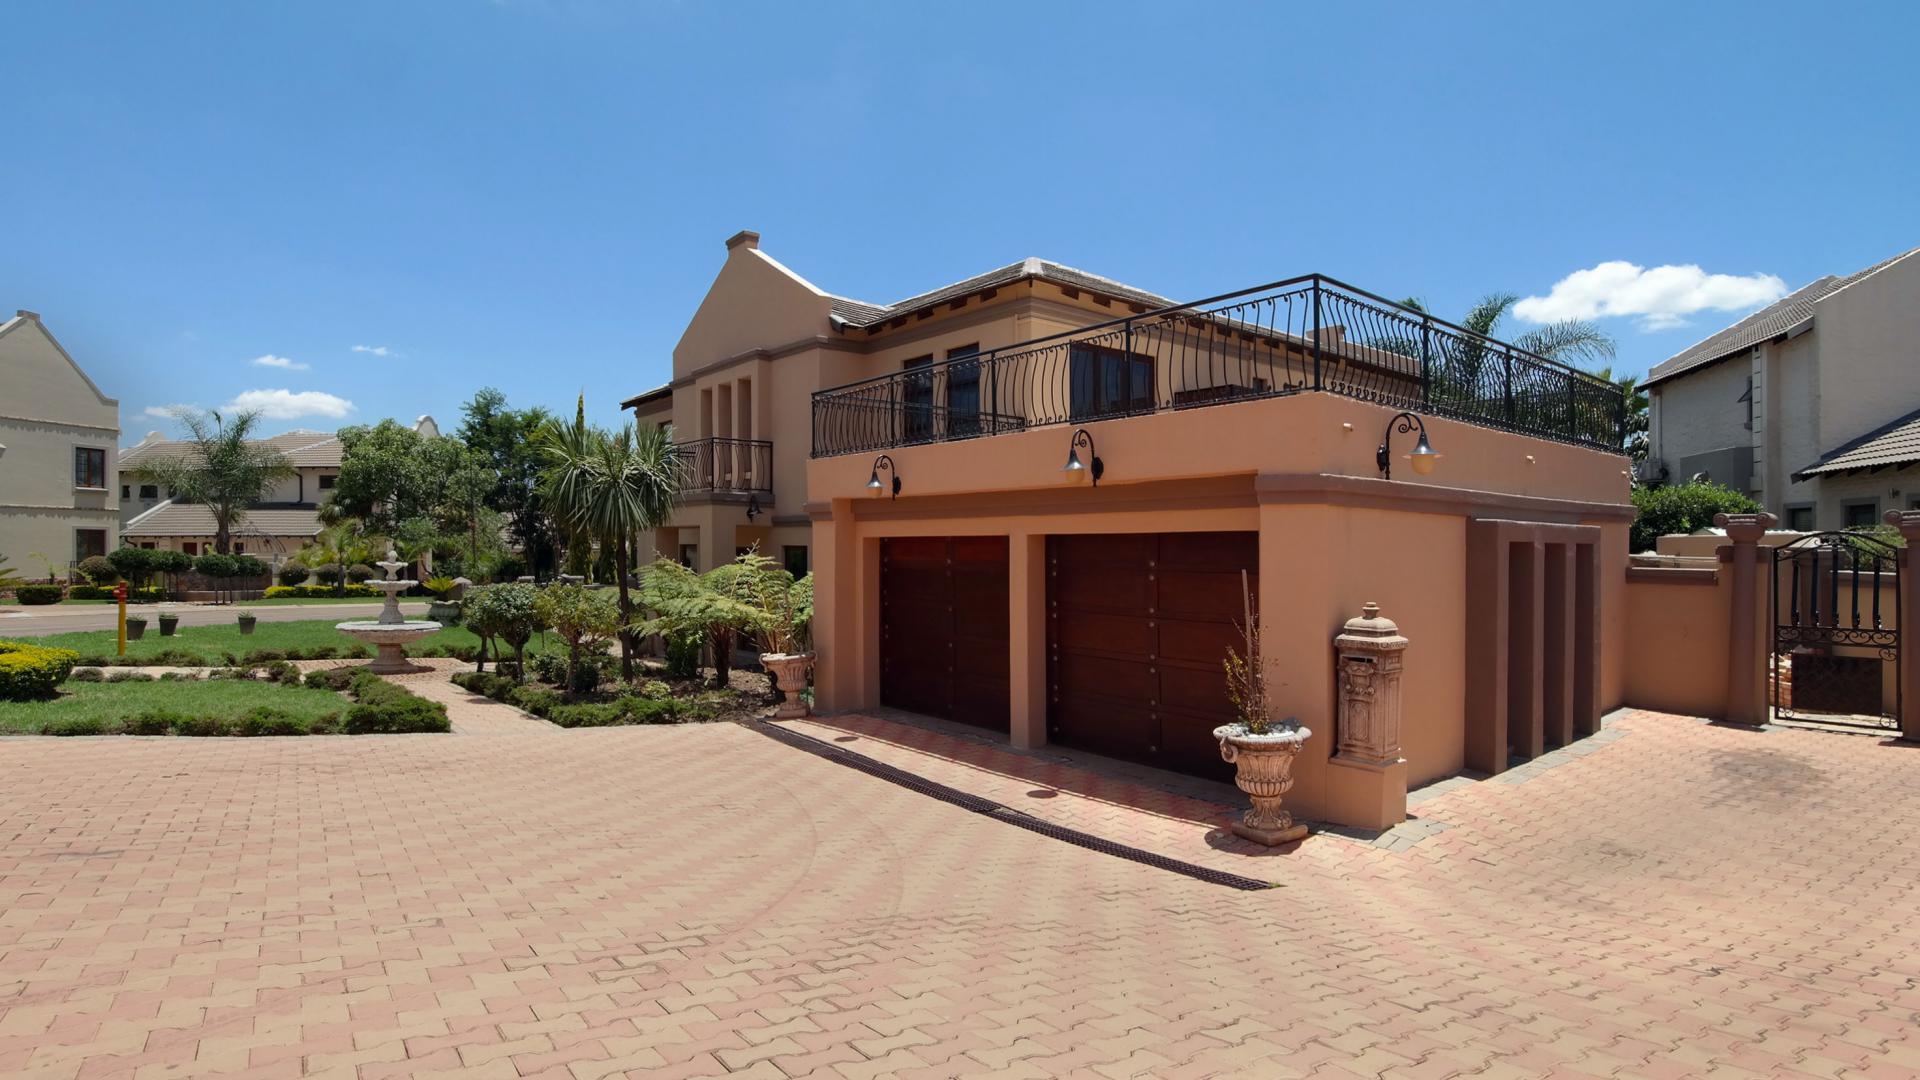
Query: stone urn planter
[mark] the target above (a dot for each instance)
(1263, 768)
(168, 623)
(444, 612)
(789, 673)
(136, 627)
(247, 621)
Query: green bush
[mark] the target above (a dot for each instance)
(88, 675)
(29, 672)
(486, 683)
(76, 725)
(266, 720)
(360, 572)
(327, 573)
(154, 722)
(129, 676)
(132, 563)
(293, 574)
(98, 569)
(203, 727)
(338, 679)
(216, 566)
(105, 592)
(683, 654)
(248, 566)
(382, 708)
(536, 700)
(1682, 508)
(626, 710)
(179, 676)
(33, 595)
(319, 592)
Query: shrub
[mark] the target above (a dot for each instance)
(29, 672)
(683, 654)
(203, 727)
(76, 725)
(486, 684)
(292, 574)
(179, 676)
(129, 676)
(105, 592)
(266, 720)
(169, 561)
(382, 708)
(540, 702)
(91, 674)
(1682, 508)
(283, 673)
(248, 566)
(327, 573)
(98, 569)
(264, 656)
(319, 592)
(216, 566)
(508, 612)
(32, 595)
(154, 722)
(654, 688)
(132, 563)
(626, 710)
(360, 572)
(337, 679)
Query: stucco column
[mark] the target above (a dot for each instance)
(1908, 522)
(1746, 667)
(1298, 620)
(835, 606)
(1027, 639)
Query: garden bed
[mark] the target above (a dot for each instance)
(231, 701)
(652, 701)
(213, 646)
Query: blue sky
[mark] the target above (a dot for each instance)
(533, 195)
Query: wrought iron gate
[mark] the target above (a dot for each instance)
(1836, 630)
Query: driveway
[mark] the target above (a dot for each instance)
(1685, 900)
(20, 622)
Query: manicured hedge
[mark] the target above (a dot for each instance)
(29, 672)
(261, 720)
(105, 592)
(38, 594)
(383, 708)
(553, 706)
(319, 592)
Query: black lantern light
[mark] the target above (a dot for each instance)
(873, 481)
(1424, 456)
(1075, 468)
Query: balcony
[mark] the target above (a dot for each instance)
(721, 467)
(1308, 334)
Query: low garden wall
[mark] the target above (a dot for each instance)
(1679, 619)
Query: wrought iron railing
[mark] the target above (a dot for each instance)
(725, 466)
(1306, 334)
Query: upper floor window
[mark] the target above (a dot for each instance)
(89, 542)
(916, 418)
(125, 492)
(1108, 382)
(89, 467)
(149, 491)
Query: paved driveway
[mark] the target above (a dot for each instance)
(1684, 901)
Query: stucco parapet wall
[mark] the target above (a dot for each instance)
(59, 425)
(1673, 575)
(1304, 447)
(1745, 528)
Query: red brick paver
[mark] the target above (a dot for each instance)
(1686, 901)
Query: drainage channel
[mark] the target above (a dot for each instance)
(999, 812)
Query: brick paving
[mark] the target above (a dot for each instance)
(1685, 900)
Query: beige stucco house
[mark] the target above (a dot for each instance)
(918, 454)
(1812, 404)
(58, 434)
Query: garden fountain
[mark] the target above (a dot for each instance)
(391, 632)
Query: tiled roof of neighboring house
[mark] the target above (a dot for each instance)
(1895, 444)
(194, 519)
(648, 397)
(304, 449)
(1764, 325)
(855, 314)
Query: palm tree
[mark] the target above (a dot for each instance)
(223, 469)
(1638, 410)
(609, 487)
(1570, 341)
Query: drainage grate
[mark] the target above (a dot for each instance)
(998, 812)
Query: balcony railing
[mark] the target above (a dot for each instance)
(1306, 334)
(725, 467)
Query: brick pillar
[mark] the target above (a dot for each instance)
(1908, 522)
(1746, 666)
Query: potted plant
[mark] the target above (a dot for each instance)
(247, 621)
(136, 627)
(442, 610)
(1260, 748)
(786, 608)
(169, 621)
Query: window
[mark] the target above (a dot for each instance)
(148, 544)
(963, 392)
(149, 491)
(1860, 514)
(89, 542)
(239, 549)
(89, 467)
(795, 557)
(125, 493)
(190, 547)
(1800, 518)
(916, 398)
(689, 554)
(326, 482)
(1108, 382)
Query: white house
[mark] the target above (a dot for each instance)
(1811, 405)
(58, 473)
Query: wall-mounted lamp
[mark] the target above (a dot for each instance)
(1075, 468)
(753, 507)
(1424, 456)
(873, 481)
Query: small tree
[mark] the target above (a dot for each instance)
(1682, 508)
(510, 613)
(170, 562)
(133, 563)
(223, 469)
(584, 618)
(718, 605)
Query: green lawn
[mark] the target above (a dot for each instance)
(111, 703)
(209, 645)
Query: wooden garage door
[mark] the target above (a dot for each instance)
(1137, 627)
(943, 627)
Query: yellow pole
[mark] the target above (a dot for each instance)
(121, 594)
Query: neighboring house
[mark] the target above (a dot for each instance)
(57, 470)
(274, 529)
(913, 456)
(1811, 405)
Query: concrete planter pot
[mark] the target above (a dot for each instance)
(136, 628)
(444, 612)
(247, 623)
(168, 623)
(790, 675)
(1263, 768)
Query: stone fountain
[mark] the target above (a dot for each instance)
(391, 632)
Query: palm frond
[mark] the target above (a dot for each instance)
(1484, 316)
(1572, 341)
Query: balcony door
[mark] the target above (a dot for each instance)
(916, 400)
(1109, 382)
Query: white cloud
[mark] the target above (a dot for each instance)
(280, 362)
(289, 405)
(166, 412)
(1661, 297)
(375, 350)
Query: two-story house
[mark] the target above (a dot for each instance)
(1811, 404)
(1043, 503)
(58, 435)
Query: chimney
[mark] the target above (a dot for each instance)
(746, 238)
(35, 316)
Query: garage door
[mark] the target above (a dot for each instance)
(1137, 627)
(943, 627)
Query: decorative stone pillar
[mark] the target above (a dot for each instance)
(1908, 522)
(1746, 664)
(1369, 655)
(1367, 777)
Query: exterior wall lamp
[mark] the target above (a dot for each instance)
(1424, 456)
(1075, 468)
(884, 461)
(753, 507)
